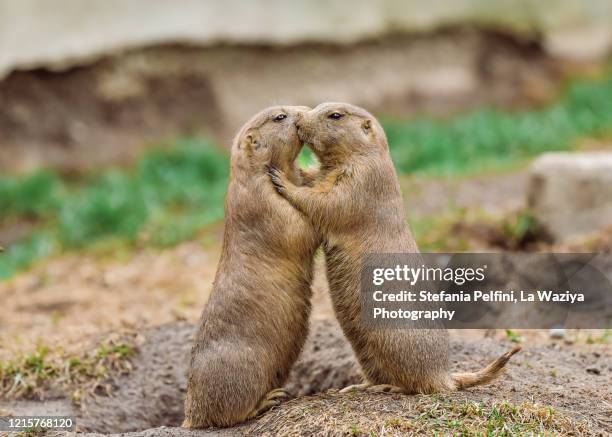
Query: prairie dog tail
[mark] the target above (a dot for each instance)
(483, 376)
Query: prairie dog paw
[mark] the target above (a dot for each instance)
(278, 178)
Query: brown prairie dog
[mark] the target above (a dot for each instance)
(256, 320)
(356, 204)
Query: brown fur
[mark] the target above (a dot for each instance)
(256, 320)
(357, 205)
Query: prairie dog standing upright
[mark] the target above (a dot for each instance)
(256, 320)
(356, 204)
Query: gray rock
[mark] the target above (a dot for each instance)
(570, 194)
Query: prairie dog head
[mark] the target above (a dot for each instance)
(337, 130)
(270, 137)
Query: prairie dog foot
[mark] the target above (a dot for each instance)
(356, 387)
(272, 399)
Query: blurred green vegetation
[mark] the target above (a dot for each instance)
(173, 193)
(487, 139)
(167, 198)
(307, 158)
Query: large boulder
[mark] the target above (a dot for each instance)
(570, 194)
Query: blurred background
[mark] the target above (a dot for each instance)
(116, 117)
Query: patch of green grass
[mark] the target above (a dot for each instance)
(604, 338)
(513, 336)
(187, 182)
(502, 418)
(438, 233)
(167, 198)
(521, 227)
(32, 373)
(32, 432)
(440, 415)
(20, 255)
(464, 230)
(35, 195)
(490, 138)
(356, 431)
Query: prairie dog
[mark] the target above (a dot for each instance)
(256, 320)
(357, 206)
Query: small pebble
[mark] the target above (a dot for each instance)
(557, 333)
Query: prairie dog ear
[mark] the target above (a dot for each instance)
(246, 143)
(251, 145)
(366, 125)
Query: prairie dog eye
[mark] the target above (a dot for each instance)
(335, 116)
(280, 117)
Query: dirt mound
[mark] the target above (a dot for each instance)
(548, 389)
(152, 395)
(108, 112)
